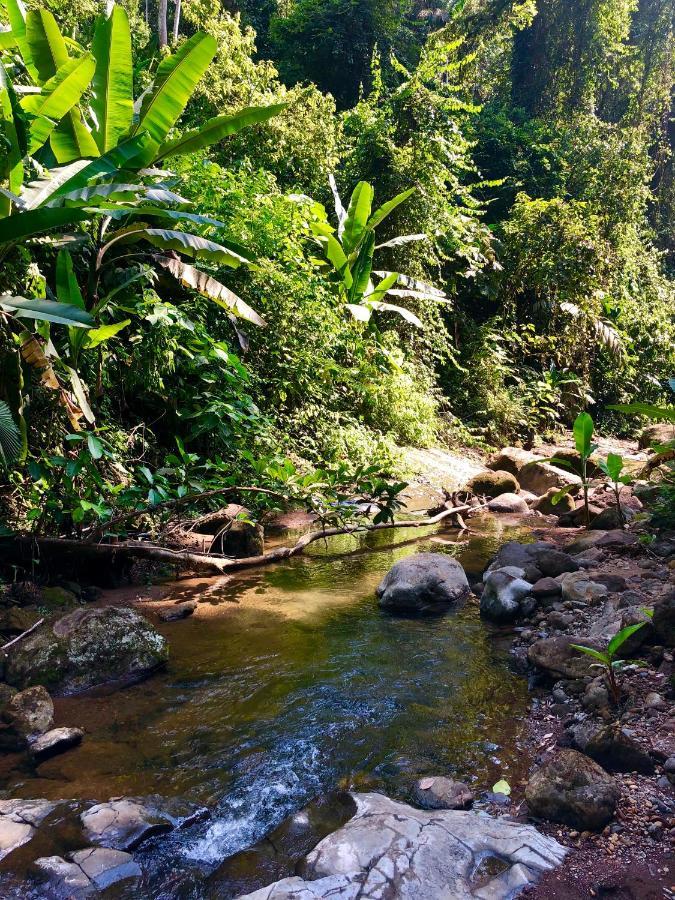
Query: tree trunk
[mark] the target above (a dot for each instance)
(162, 36)
(176, 21)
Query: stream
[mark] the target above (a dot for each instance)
(287, 683)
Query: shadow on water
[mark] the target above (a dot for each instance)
(288, 683)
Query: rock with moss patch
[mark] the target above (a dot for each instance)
(58, 597)
(86, 648)
(492, 484)
(547, 507)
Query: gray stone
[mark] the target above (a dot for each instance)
(546, 587)
(664, 620)
(85, 648)
(442, 793)
(540, 477)
(66, 880)
(105, 867)
(556, 656)
(613, 747)
(511, 459)
(53, 742)
(177, 611)
(122, 824)
(30, 712)
(658, 433)
(579, 586)
(18, 822)
(573, 790)
(508, 503)
(389, 849)
(502, 594)
(424, 583)
(609, 518)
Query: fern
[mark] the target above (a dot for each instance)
(10, 437)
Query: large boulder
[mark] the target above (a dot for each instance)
(664, 620)
(580, 587)
(123, 824)
(19, 821)
(540, 477)
(503, 594)
(547, 507)
(610, 518)
(612, 746)
(573, 790)
(492, 484)
(573, 461)
(424, 583)
(86, 648)
(556, 656)
(30, 712)
(511, 459)
(508, 503)
(658, 433)
(537, 560)
(389, 849)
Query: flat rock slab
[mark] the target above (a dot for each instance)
(122, 824)
(56, 741)
(389, 849)
(19, 820)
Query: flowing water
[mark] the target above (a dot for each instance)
(287, 683)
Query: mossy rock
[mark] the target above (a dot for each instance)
(547, 507)
(573, 460)
(87, 648)
(57, 597)
(493, 484)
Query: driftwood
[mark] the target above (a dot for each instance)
(205, 562)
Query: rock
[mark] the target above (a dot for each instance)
(104, 867)
(631, 598)
(18, 822)
(616, 539)
(573, 460)
(56, 597)
(578, 586)
(30, 712)
(535, 559)
(493, 483)
(511, 459)
(389, 849)
(177, 611)
(555, 656)
(595, 698)
(53, 742)
(508, 503)
(546, 587)
(540, 477)
(554, 562)
(424, 583)
(66, 880)
(15, 620)
(502, 594)
(242, 539)
(122, 824)
(612, 747)
(88, 647)
(653, 700)
(442, 793)
(609, 518)
(644, 634)
(573, 790)
(658, 433)
(547, 507)
(613, 582)
(664, 620)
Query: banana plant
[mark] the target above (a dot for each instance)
(350, 248)
(582, 431)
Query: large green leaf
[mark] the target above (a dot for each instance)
(46, 311)
(16, 13)
(399, 310)
(59, 95)
(10, 437)
(47, 47)
(67, 288)
(622, 636)
(38, 192)
(108, 164)
(209, 287)
(112, 101)
(583, 434)
(336, 255)
(384, 287)
(7, 39)
(28, 224)
(218, 128)
(12, 169)
(71, 139)
(190, 244)
(358, 214)
(646, 409)
(362, 268)
(177, 76)
(380, 214)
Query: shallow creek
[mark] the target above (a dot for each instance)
(287, 683)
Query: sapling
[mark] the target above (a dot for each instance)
(608, 659)
(613, 467)
(582, 431)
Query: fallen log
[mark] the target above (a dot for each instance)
(53, 547)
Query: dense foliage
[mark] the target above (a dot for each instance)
(187, 300)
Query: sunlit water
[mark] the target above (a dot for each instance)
(289, 682)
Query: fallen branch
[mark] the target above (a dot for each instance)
(21, 636)
(211, 563)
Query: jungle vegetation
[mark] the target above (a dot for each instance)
(269, 243)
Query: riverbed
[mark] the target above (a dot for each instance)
(289, 682)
